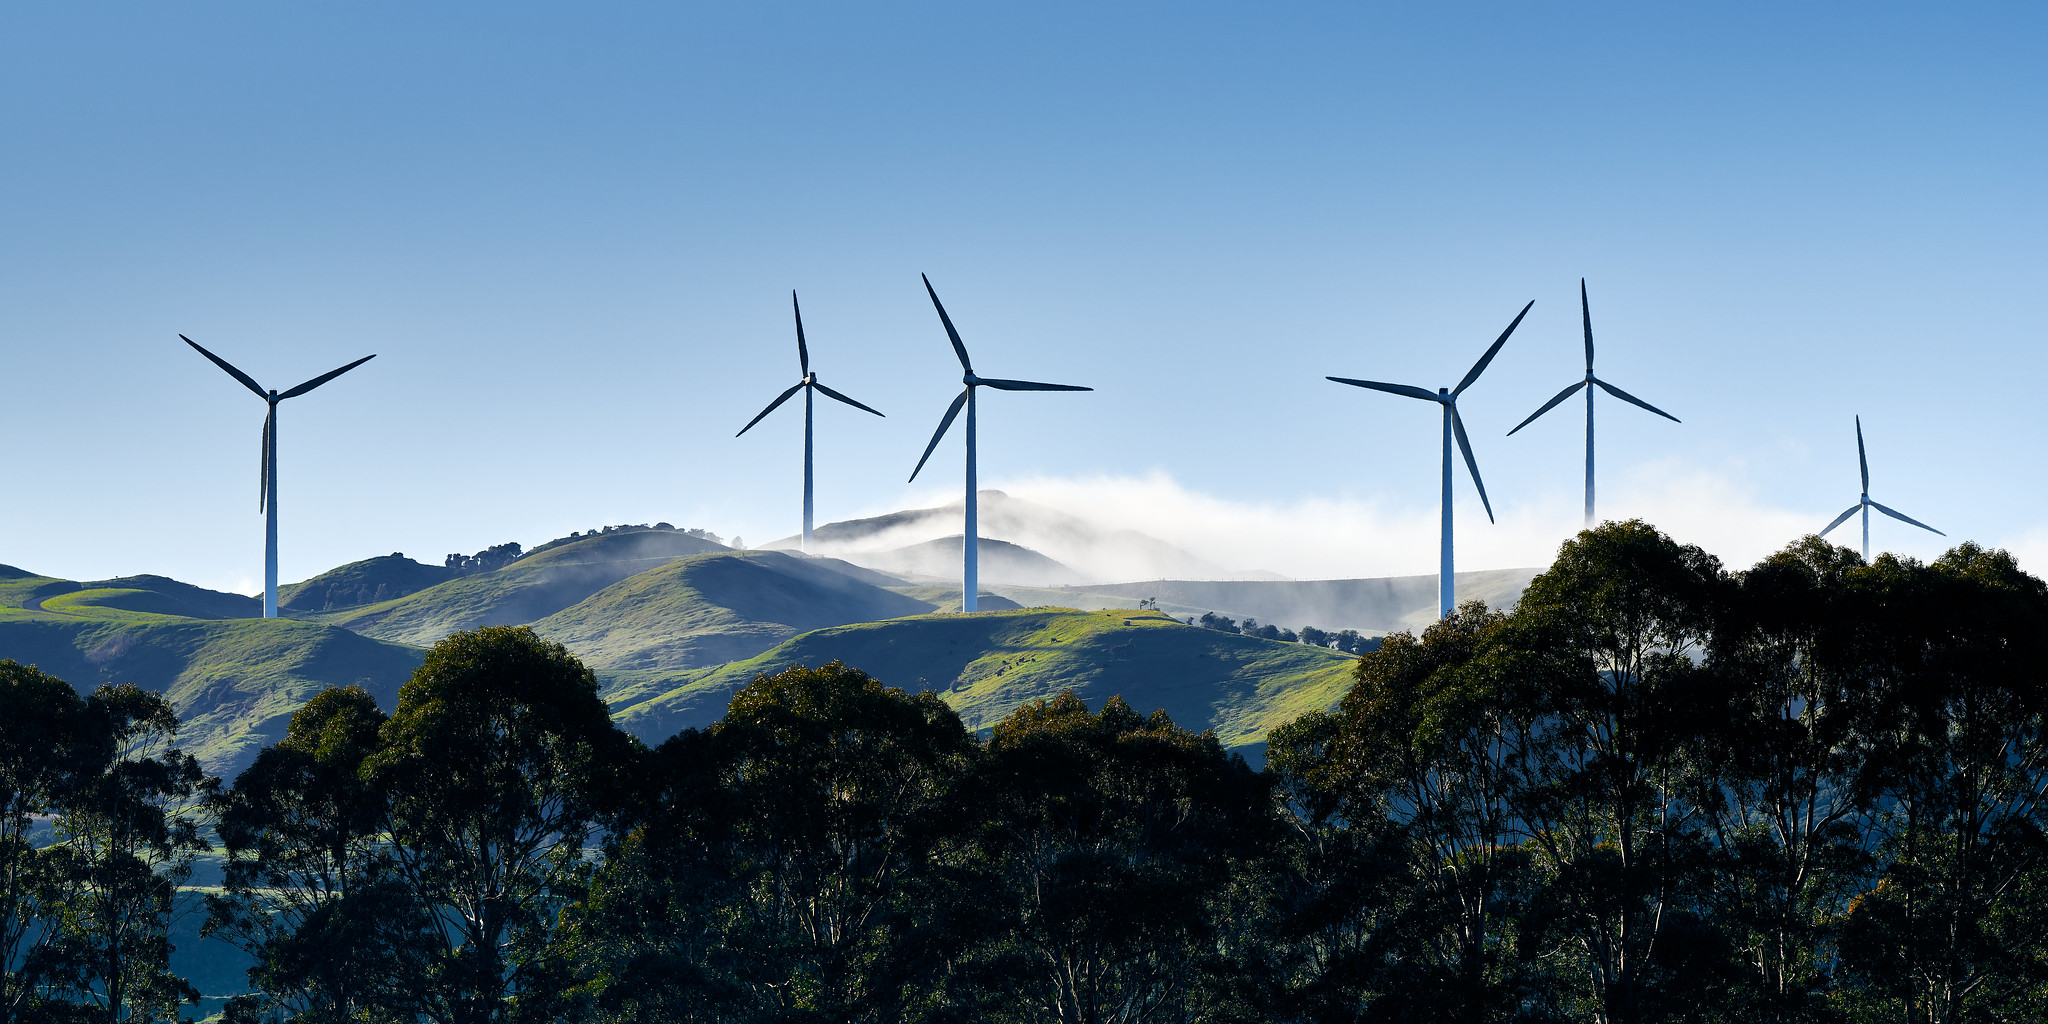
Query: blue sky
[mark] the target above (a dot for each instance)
(570, 232)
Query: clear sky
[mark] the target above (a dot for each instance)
(569, 232)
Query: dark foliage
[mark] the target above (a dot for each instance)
(1656, 790)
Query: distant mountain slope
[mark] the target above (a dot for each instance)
(1000, 562)
(1380, 605)
(1090, 551)
(370, 581)
(987, 664)
(529, 589)
(709, 609)
(235, 682)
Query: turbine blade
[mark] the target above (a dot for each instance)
(1405, 390)
(829, 393)
(247, 381)
(1026, 385)
(959, 347)
(779, 399)
(324, 378)
(1840, 519)
(803, 354)
(1465, 446)
(1862, 462)
(951, 411)
(263, 474)
(1902, 517)
(1632, 400)
(1480, 366)
(1547, 406)
(1586, 312)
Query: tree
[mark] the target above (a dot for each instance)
(309, 889)
(1108, 844)
(1608, 636)
(42, 752)
(496, 766)
(1432, 739)
(843, 788)
(129, 837)
(1789, 772)
(1951, 930)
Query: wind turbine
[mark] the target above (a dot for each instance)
(1446, 579)
(807, 385)
(1864, 504)
(1586, 312)
(970, 540)
(266, 491)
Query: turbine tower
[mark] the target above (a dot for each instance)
(266, 490)
(1446, 580)
(970, 538)
(808, 384)
(1864, 504)
(1586, 312)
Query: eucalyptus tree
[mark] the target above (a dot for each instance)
(1608, 637)
(309, 888)
(1108, 845)
(40, 760)
(496, 768)
(130, 833)
(1951, 930)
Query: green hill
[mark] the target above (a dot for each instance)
(984, 665)
(705, 610)
(235, 681)
(370, 581)
(529, 589)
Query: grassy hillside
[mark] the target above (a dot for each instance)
(235, 681)
(987, 664)
(532, 588)
(370, 581)
(710, 609)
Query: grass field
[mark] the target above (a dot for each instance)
(985, 665)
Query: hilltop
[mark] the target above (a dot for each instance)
(986, 664)
(703, 610)
(540, 584)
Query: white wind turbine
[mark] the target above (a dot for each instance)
(1586, 312)
(1864, 504)
(807, 384)
(1454, 428)
(970, 538)
(266, 491)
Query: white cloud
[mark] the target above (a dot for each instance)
(1345, 537)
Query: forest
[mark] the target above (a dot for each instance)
(1656, 789)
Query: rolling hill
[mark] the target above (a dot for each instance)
(706, 610)
(235, 681)
(988, 663)
(532, 588)
(370, 581)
